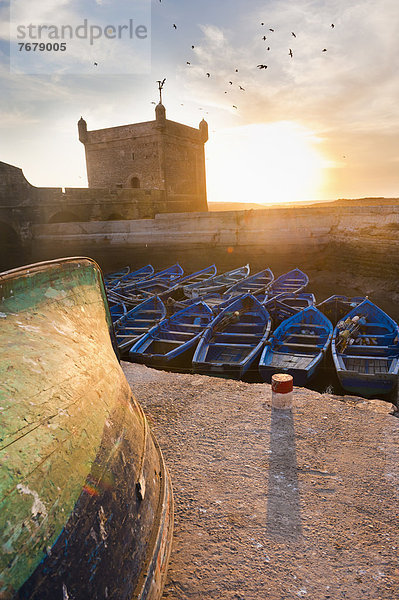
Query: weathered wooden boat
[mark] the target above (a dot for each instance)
(293, 281)
(135, 323)
(86, 500)
(218, 283)
(172, 342)
(234, 340)
(336, 307)
(368, 366)
(297, 347)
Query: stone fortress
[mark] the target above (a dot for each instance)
(134, 172)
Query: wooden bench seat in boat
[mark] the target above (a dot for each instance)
(230, 345)
(292, 345)
(178, 342)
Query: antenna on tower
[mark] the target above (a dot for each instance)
(160, 87)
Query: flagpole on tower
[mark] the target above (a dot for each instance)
(160, 87)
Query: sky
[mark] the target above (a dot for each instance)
(316, 125)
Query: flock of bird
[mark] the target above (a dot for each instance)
(260, 66)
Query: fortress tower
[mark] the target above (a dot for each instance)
(155, 155)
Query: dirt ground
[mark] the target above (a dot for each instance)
(275, 504)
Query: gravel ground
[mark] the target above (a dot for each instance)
(275, 504)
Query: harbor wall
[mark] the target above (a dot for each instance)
(352, 239)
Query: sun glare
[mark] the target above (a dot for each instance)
(264, 163)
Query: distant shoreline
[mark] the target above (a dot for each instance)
(372, 201)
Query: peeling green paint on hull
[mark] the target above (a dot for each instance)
(66, 411)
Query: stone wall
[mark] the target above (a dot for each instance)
(351, 239)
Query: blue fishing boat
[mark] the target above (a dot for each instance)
(367, 357)
(135, 323)
(293, 281)
(138, 275)
(130, 299)
(117, 311)
(172, 342)
(116, 275)
(254, 284)
(298, 300)
(234, 340)
(173, 273)
(176, 291)
(297, 346)
(285, 305)
(336, 307)
(218, 283)
(199, 276)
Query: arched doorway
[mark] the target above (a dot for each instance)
(135, 182)
(11, 253)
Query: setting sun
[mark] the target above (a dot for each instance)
(264, 163)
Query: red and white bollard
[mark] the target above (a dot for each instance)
(282, 390)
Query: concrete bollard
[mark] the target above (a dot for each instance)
(282, 390)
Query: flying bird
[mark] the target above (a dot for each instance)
(264, 38)
(188, 63)
(241, 88)
(154, 102)
(96, 64)
(234, 106)
(332, 25)
(192, 47)
(236, 70)
(230, 82)
(174, 26)
(271, 29)
(268, 47)
(293, 34)
(208, 74)
(324, 50)
(290, 53)
(262, 67)
(262, 23)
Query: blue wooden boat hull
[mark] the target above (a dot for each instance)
(218, 283)
(172, 342)
(336, 307)
(294, 352)
(254, 284)
(137, 322)
(293, 281)
(229, 352)
(369, 370)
